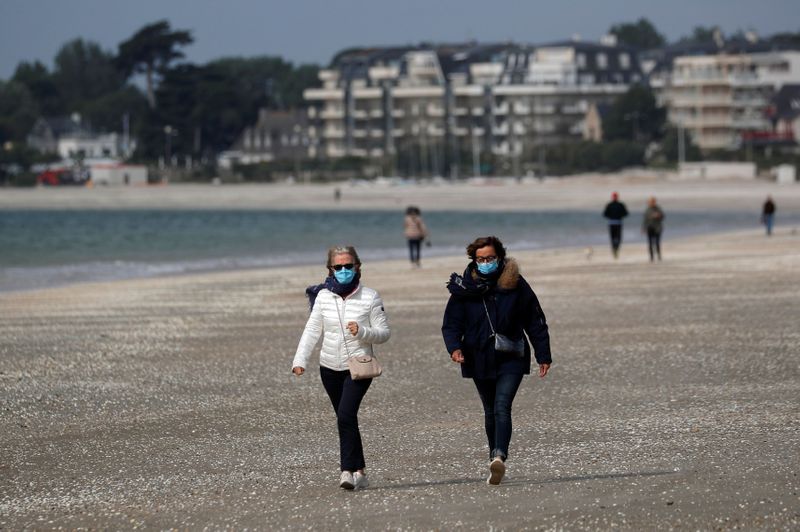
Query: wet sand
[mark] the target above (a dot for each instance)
(673, 401)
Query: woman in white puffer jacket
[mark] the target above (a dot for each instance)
(351, 318)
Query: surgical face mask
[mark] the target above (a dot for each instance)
(344, 276)
(485, 268)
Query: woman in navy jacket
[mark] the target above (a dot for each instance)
(492, 297)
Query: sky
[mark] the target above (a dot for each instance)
(312, 31)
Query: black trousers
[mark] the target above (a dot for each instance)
(346, 395)
(615, 232)
(654, 243)
(414, 249)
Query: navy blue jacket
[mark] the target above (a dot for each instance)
(513, 308)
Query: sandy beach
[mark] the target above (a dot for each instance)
(587, 192)
(168, 402)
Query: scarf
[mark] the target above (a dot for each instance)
(334, 286)
(473, 284)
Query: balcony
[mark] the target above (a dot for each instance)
(398, 113)
(376, 113)
(723, 121)
(501, 109)
(544, 109)
(576, 109)
(500, 130)
(477, 111)
(398, 133)
(331, 114)
(376, 133)
(750, 122)
(697, 100)
(435, 110)
(360, 114)
(461, 111)
(522, 109)
(333, 133)
(359, 133)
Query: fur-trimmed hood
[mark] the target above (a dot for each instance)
(509, 278)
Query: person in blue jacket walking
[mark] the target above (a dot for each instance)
(490, 311)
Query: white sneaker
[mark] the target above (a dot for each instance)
(496, 471)
(346, 480)
(360, 481)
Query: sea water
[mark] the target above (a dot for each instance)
(42, 248)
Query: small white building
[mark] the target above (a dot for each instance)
(73, 146)
(115, 174)
(717, 170)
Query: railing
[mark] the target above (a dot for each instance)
(331, 113)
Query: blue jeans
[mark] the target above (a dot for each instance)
(346, 395)
(497, 395)
(769, 220)
(414, 249)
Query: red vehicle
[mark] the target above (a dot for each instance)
(60, 176)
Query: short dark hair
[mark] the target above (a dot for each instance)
(484, 241)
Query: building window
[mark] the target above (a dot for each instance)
(581, 60)
(602, 60)
(624, 61)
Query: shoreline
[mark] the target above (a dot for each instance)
(579, 252)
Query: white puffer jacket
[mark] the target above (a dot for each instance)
(330, 315)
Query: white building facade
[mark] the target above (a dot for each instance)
(722, 98)
(442, 106)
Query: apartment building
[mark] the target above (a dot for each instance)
(436, 106)
(723, 98)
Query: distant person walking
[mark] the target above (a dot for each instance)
(350, 317)
(768, 215)
(415, 232)
(653, 225)
(615, 211)
(490, 310)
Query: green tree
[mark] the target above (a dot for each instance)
(18, 112)
(640, 34)
(787, 39)
(702, 35)
(150, 51)
(634, 116)
(83, 72)
(669, 146)
(107, 112)
(41, 86)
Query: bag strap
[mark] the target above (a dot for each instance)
(341, 327)
(487, 316)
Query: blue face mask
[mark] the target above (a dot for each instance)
(345, 276)
(485, 268)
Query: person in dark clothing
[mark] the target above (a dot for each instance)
(768, 215)
(491, 302)
(615, 211)
(652, 225)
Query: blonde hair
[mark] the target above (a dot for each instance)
(342, 250)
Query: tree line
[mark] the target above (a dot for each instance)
(146, 83)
